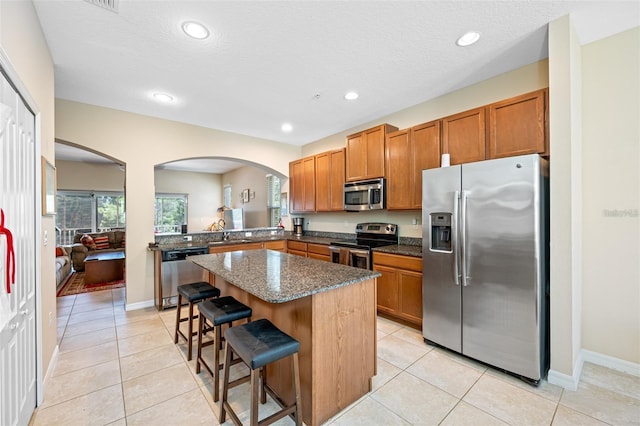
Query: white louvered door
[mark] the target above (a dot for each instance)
(17, 301)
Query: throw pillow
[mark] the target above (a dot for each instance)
(88, 242)
(123, 243)
(59, 252)
(101, 242)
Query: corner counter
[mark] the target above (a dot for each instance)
(329, 308)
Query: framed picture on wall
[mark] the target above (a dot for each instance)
(245, 195)
(48, 188)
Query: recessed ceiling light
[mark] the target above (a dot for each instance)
(195, 30)
(287, 127)
(351, 96)
(163, 97)
(468, 39)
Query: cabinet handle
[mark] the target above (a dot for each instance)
(25, 312)
(13, 326)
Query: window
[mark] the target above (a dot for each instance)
(227, 196)
(170, 213)
(273, 200)
(84, 211)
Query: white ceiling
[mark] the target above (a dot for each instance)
(270, 62)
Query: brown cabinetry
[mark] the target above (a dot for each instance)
(330, 178)
(318, 251)
(224, 248)
(302, 185)
(400, 286)
(517, 126)
(463, 136)
(279, 245)
(297, 247)
(365, 153)
(407, 153)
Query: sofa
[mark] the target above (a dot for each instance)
(91, 243)
(63, 264)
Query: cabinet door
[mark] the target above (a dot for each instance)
(517, 126)
(309, 179)
(399, 180)
(387, 290)
(411, 296)
(279, 245)
(425, 154)
(296, 186)
(323, 185)
(235, 247)
(356, 157)
(374, 142)
(463, 136)
(336, 180)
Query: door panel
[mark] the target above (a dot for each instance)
(17, 307)
(501, 310)
(441, 320)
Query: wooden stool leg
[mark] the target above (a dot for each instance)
(263, 393)
(200, 333)
(296, 389)
(255, 382)
(175, 338)
(190, 338)
(225, 383)
(216, 363)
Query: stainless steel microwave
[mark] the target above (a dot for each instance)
(364, 195)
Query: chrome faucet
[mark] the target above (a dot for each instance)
(225, 236)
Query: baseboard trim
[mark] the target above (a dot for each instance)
(611, 362)
(52, 364)
(564, 380)
(139, 305)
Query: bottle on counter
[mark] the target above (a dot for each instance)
(280, 225)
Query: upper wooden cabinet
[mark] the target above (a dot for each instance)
(330, 178)
(463, 136)
(407, 153)
(517, 126)
(302, 174)
(365, 153)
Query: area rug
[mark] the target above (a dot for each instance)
(76, 285)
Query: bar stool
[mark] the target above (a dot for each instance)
(259, 343)
(223, 310)
(193, 293)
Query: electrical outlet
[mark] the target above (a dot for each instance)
(248, 234)
(274, 232)
(188, 238)
(50, 318)
(415, 221)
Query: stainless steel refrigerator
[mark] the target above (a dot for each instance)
(485, 257)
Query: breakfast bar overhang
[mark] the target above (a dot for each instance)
(329, 308)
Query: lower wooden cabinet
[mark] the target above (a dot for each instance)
(400, 286)
(297, 247)
(318, 251)
(279, 245)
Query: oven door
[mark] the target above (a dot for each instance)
(360, 258)
(339, 254)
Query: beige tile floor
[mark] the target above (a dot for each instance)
(122, 368)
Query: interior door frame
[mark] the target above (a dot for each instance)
(14, 78)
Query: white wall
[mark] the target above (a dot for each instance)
(254, 179)
(23, 45)
(611, 196)
(204, 195)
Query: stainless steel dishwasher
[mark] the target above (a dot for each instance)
(177, 270)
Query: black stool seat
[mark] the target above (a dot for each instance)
(224, 310)
(193, 293)
(198, 291)
(260, 342)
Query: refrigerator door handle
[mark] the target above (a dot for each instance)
(463, 237)
(454, 233)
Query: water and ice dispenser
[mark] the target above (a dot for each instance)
(441, 232)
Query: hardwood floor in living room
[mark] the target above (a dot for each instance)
(128, 362)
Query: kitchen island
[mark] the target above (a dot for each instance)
(329, 308)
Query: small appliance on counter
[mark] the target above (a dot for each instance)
(297, 225)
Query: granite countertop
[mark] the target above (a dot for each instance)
(277, 277)
(405, 250)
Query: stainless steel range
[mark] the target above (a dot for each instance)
(357, 252)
